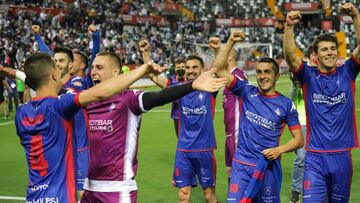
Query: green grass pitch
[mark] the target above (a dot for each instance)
(156, 153)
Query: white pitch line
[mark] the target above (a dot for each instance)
(12, 198)
(7, 123)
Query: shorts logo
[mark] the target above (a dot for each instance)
(267, 190)
(335, 188)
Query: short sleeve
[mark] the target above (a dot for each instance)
(67, 105)
(352, 67)
(292, 118)
(238, 86)
(134, 101)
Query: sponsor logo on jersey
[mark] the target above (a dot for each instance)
(324, 99)
(44, 200)
(254, 118)
(196, 111)
(39, 187)
(101, 125)
(28, 121)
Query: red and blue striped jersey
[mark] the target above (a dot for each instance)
(262, 120)
(81, 120)
(330, 107)
(44, 126)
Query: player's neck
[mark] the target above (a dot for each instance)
(46, 91)
(65, 78)
(324, 69)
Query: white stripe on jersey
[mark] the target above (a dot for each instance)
(131, 144)
(237, 120)
(125, 197)
(109, 185)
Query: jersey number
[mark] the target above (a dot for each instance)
(37, 158)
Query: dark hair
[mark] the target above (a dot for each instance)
(275, 66)
(83, 58)
(324, 37)
(37, 67)
(179, 60)
(309, 50)
(65, 50)
(195, 57)
(113, 56)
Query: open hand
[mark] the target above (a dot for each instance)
(207, 82)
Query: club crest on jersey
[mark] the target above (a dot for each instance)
(112, 107)
(78, 84)
(278, 112)
(201, 97)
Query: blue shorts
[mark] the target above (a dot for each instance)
(82, 165)
(189, 165)
(240, 177)
(327, 177)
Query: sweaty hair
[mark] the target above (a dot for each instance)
(275, 66)
(116, 61)
(65, 50)
(195, 57)
(83, 57)
(37, 67)
(324, 37)
(179, 60)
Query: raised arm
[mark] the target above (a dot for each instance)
(145, 52)
(116, 84)
(42, 46)
(295, 143)
(350, 10)
(289, 46)
(96, 43)
(215, 43)
(221, 59)
(205, 82)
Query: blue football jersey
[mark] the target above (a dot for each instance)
(330, 107)
(262, 120)
(196, 122)
(81, 120)
(44, 126)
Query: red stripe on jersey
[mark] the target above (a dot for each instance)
(355, 60)
(77, 101)
(301, 67)
(356, 138)
(304, 89)
(37, 157)
(86, 119)
(295, 127)
(233, 82)
(70, 168)
(246, 163)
